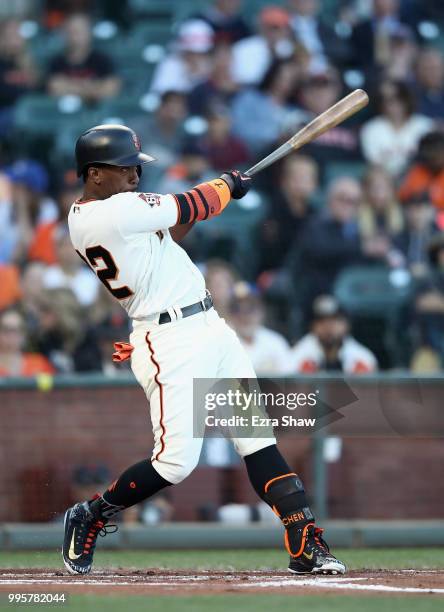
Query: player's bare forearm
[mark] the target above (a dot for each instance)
(178, 232)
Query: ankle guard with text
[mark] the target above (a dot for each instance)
(286, 495)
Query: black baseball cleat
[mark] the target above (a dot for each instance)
(81, 531)
(315, 556)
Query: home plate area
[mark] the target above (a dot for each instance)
(160, 581)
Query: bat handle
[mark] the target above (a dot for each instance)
(251, 171)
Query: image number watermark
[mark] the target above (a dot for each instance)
(30, 599)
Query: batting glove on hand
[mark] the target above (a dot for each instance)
(238, 183)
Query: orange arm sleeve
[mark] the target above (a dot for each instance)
(203, 201)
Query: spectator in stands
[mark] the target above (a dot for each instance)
(419, 228)
(94, 351)
(24, 9)
(70, 272)
(57, 11)
(32, 291)
(188, 64)
(42, 247)
(270, 107)
(220, 86)
(253, 56)
(316, 94)
(59, 328)
(80, 70)
(329, 346)
(428, 312)
(191, 169)
(13, 360)
(290, 210)
(7, 234)
(10, 286)
(268, 350)
(370, 38)
(29, 205)
(427, 174)
(318, 38)
(380, 213)
(220, 278)
(396, 56)
(391, 138)
(380, 216)
(225, 18)
(403, 53)
(87, 479)
(223, 148)
(430, 83)
(164, 133)
(18, 74)
(330, 242)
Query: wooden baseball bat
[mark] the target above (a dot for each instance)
(346, 107)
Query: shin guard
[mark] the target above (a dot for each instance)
(286, 495)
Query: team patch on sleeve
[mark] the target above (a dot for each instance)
(153, 199)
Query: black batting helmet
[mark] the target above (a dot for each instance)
(115, 145)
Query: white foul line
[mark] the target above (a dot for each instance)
(318, 582)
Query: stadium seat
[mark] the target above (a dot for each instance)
(158, 11)
(136, 78)
(373, 290)
(136, 65)
(124, 108)
(44, 46)
(375, 299)
(62, 151)
(148, 32)
(334, 170)
(232, 235)
(41, 115)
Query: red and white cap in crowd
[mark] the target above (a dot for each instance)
(196, 36)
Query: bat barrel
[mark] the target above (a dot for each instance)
(340, 111)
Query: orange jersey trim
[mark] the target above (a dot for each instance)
(80, 201)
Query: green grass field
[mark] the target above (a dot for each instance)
(240, 559)
(371, 558)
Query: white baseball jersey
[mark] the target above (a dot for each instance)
(125, 239)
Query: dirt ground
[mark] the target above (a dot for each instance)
(170, 582)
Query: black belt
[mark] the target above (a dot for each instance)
(187, 311)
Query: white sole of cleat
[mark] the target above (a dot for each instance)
(327, 570)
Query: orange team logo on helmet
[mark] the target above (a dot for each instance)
(136, 141)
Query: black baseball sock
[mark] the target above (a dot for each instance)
(137, 483)
(266, 465)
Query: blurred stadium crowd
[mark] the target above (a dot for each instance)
(334, 260)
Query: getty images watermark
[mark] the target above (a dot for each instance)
(253, 406)
(250, 408)
(357, 406)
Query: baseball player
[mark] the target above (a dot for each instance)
(130, 240)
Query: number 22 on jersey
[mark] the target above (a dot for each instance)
(109, 271)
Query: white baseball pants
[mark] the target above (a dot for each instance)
(165, 360)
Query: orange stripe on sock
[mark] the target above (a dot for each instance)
(302, 546)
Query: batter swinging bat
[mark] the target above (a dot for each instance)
(334, 115)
